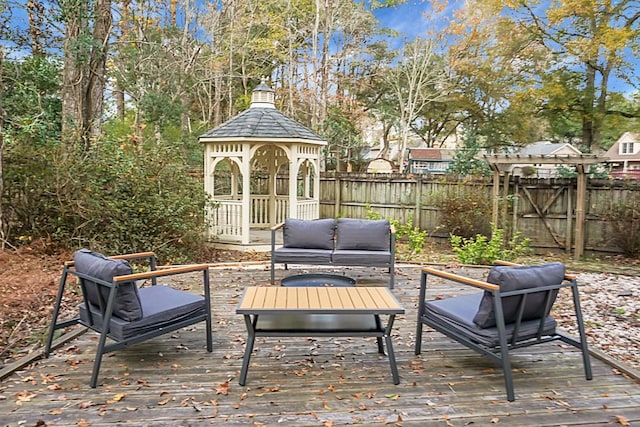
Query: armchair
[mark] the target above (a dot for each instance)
(512, 312)
(114, 307)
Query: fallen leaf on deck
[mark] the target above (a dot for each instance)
(622, 420)
(223, 388)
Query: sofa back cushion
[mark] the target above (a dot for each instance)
(309, 234)
(513, 278)
(362, 234)
(127, 304)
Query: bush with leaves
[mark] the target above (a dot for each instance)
(480, 250)
(466, 211)
(623, 219)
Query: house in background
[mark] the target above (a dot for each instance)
(542, 148)
(624, 156)
(429, 160)
(381, 165)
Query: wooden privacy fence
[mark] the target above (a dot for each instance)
(543, 210)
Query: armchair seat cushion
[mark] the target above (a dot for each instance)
(361, 257)
(458, 313)
(162, 305)
(302, 256)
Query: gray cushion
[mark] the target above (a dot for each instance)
(360, 257)
(363, 234)
(516, 278)
(127, 304)
(162, 306)
(310, 234)
(458, 312)
(302, 256)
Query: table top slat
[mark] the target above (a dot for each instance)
(356, 298)
(330, 300)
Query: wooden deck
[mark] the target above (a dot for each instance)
(173, 381)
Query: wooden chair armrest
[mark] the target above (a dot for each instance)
(169, 271)
(277, 226)
(461, 279)
(134, 256)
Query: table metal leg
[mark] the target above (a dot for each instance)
(248, 349)
(379, 339)
(391, 354)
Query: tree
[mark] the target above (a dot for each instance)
(417, 80)
(591, 37)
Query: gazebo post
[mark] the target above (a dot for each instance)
(246, 194)
(293, 182)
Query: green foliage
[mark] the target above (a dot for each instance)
(465, 161)
(115, 198)
(595, 172)
(416, 238)
(623, 218)
(484, 251)
(466, 211)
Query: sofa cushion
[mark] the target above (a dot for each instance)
(302, 256)
(513, 278)
(360, 257)
(310, 234)
(362, 234)
(127, 304)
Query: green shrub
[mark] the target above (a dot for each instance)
(484, 251)
(624, 221)
(465, 212)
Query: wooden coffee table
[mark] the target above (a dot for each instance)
(319, 311)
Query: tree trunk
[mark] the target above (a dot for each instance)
(84, 71)
(2, 220)
(587, 107)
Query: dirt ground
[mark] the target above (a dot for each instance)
(29, 282)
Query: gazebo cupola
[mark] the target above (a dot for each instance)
(260, 167)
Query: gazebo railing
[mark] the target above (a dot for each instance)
(226, 218)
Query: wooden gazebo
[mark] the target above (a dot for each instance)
(260, 167)
(501, 164)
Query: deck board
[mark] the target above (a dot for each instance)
(173, 381)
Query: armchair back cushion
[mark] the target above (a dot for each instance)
(362, 234)
(308, 234)
(513, 278)
(127, 304)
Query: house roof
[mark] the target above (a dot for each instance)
(613, 152)
(425, 154)
(546, 148)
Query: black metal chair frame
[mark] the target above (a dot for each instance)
(106, 311)
(500, 354)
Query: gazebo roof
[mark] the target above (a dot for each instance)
(262, 121)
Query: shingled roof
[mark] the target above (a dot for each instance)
(262, 121)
